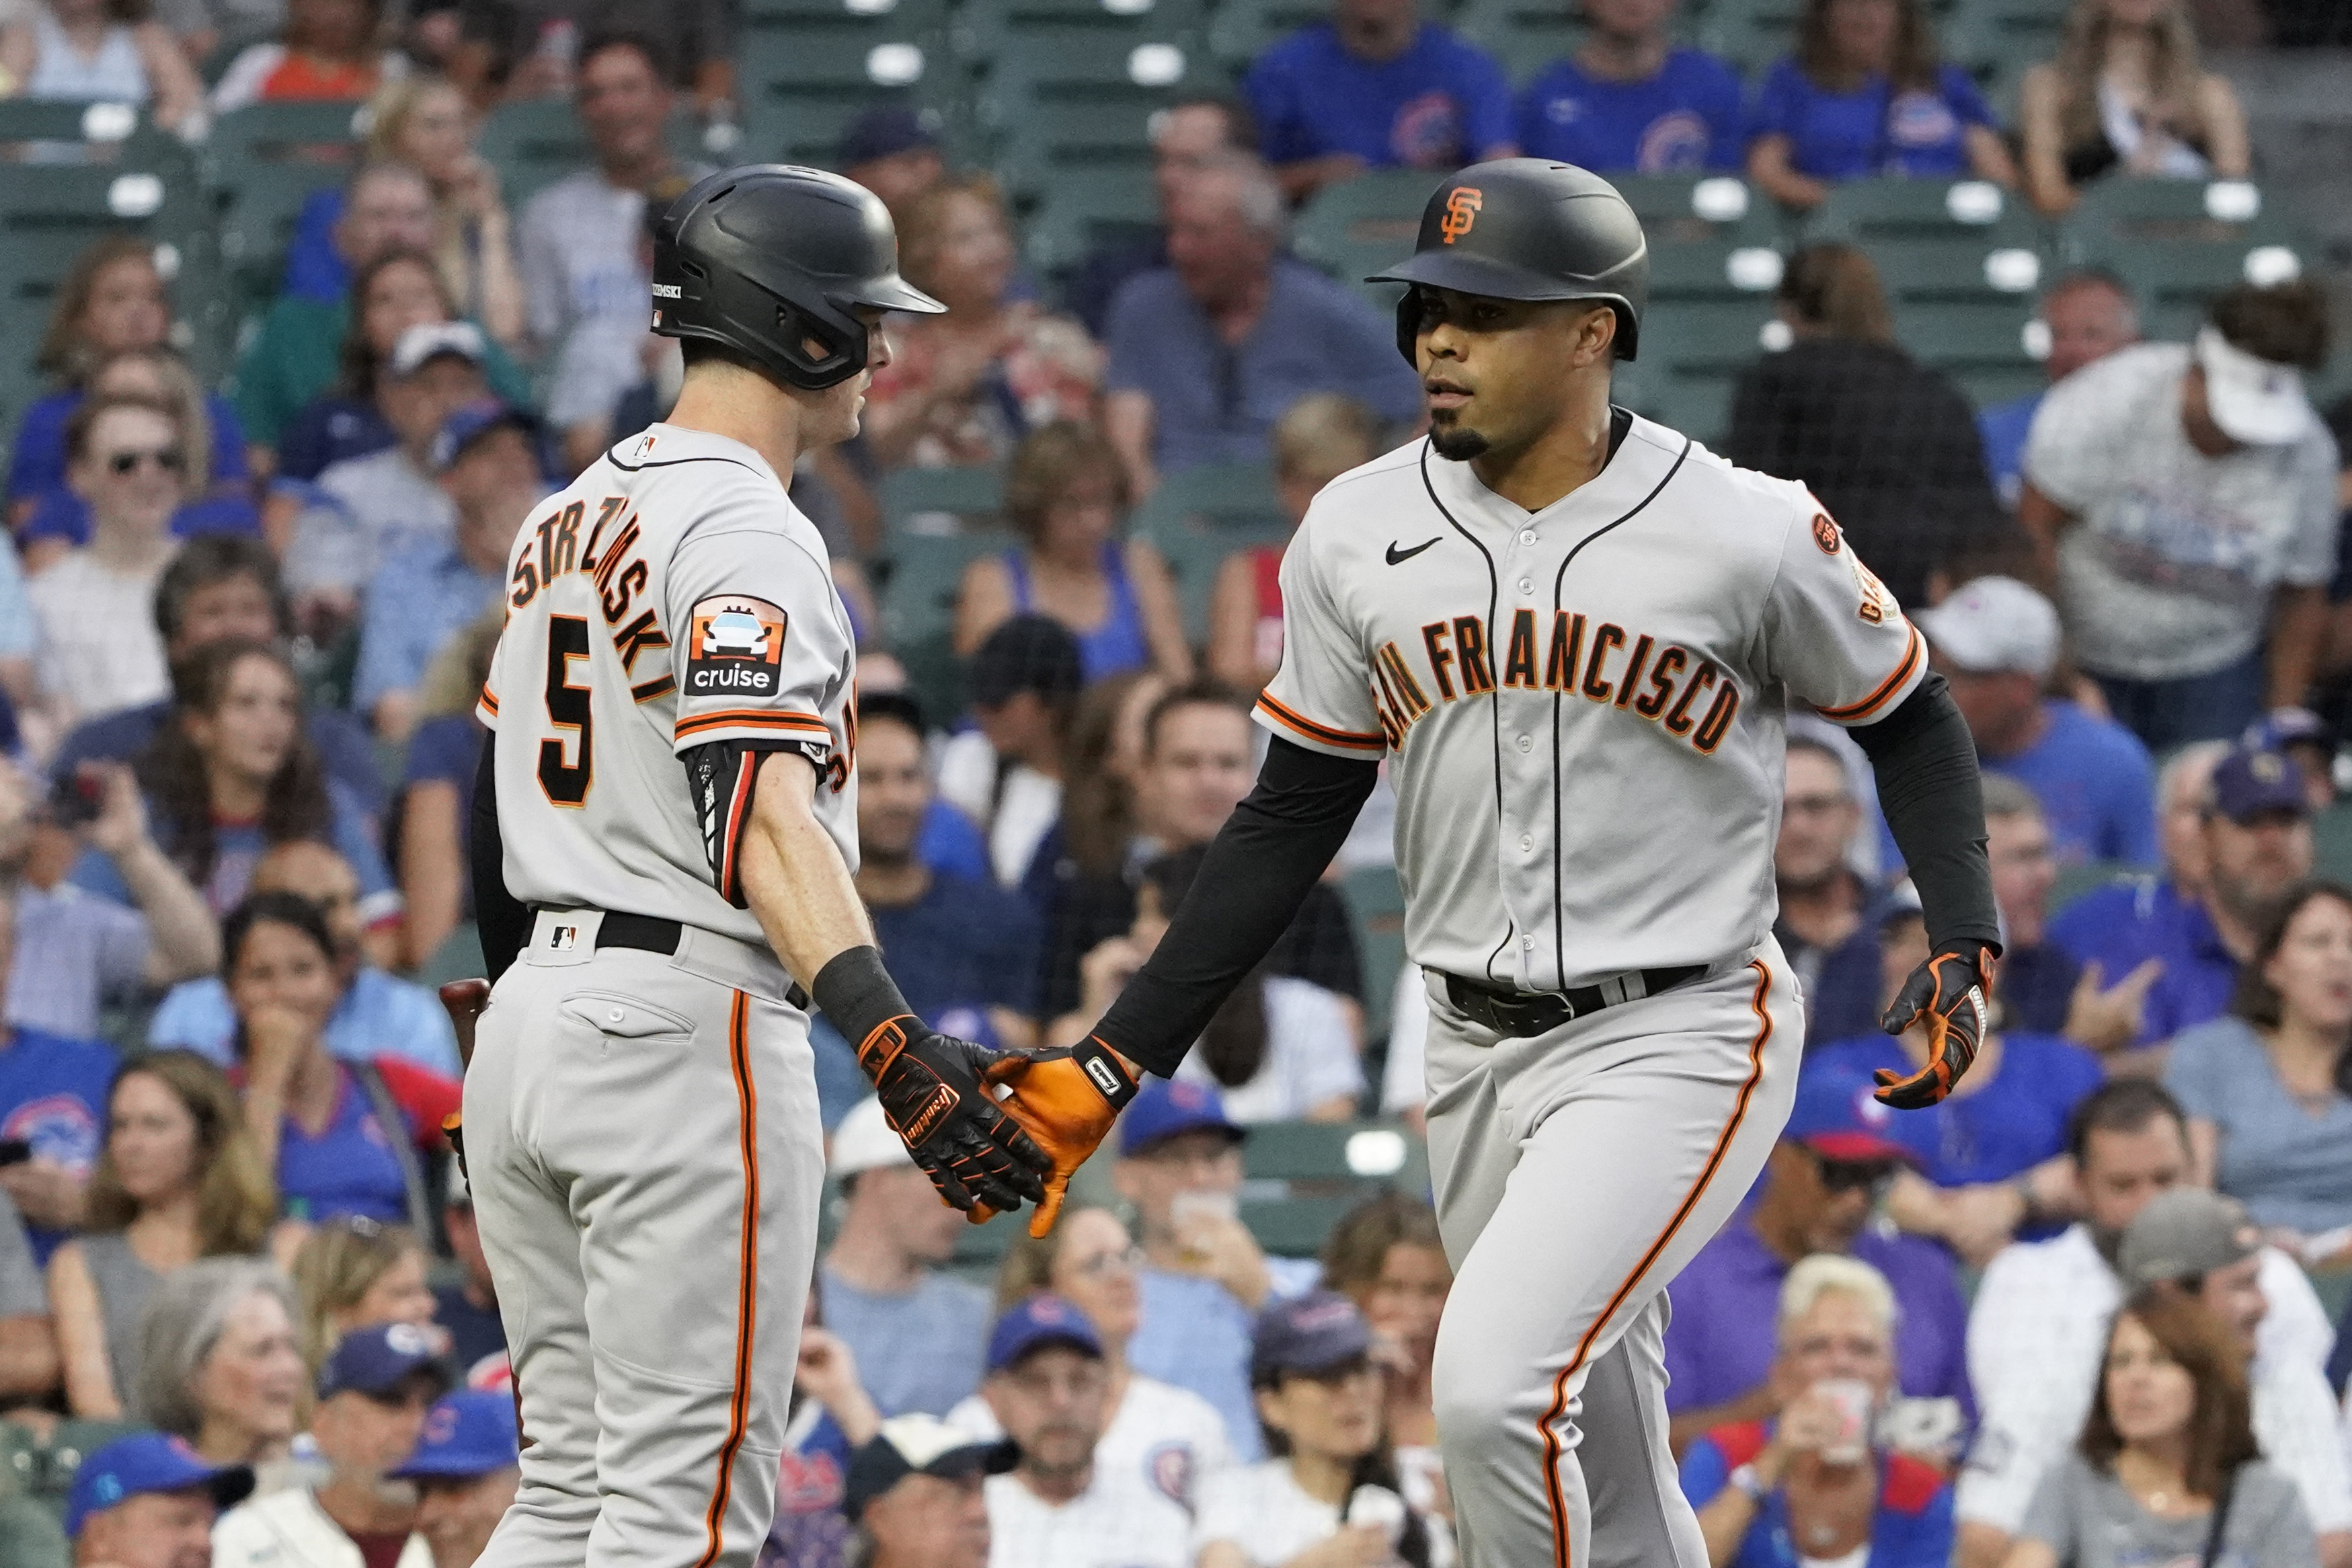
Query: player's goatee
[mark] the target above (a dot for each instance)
(1457, 445)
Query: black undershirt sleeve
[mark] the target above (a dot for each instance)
(1258, 870)
(502, 919)
(1925, 765)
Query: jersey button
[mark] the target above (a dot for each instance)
(1528, 536)
(1527, 843)
(1527, 743)
(1527, 944)
(1526, 585)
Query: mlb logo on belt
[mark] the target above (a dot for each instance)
(563, 939)
(735, 647)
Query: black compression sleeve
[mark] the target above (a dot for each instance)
(502, 920)
(1925, 765)
(1257, 873)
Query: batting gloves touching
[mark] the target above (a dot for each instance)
(1951, 994)
(1066, 1098)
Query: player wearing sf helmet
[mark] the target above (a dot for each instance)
(665, 835)
(1575, 634)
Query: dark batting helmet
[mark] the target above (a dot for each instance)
(1527, 228)
(773, 261)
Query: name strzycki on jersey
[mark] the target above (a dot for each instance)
(1586, 705)
(672, 598)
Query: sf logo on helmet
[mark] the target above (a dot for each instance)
(1460, 212)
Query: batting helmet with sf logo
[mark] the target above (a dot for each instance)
(1527, 228)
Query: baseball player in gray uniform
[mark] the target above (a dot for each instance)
(665, 830)
(1575, 634)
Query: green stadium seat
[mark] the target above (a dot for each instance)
(1236, 497)
(918, 598)
(458, 956)
(1526, 36)
(1751, 37)
(804, 80)
(1081, 97)
(985, 29)
(1692, 357)
(537, 142)
(1866, 211)
(1241, 29)
(1996, 39)
(1375, 900)
(1193, 557)
(968, 496)
(47, 130)
(1679, 208)
(266, 161)
(1363, 225)
(2178, 243)
(1083, 208)
(1304, 1176)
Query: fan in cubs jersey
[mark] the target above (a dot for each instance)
(665, 831)
(1575, 634)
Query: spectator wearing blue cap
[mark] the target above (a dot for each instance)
(466, 1467)
(2252, 845)
(362, 512)
(1049, 1388)
(917, 1333)
(150, 1502)
(491, 461)
(892, 151)
(2307, 738)
(1839, 1155)
(375, 1392)
(1991, 1163)
(915, 1499)
(1331, 1481)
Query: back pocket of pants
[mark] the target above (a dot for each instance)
(623, 1017)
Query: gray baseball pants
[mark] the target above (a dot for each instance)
(1577, 1173)
(643, 1143)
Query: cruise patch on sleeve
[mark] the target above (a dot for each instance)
(735, 647)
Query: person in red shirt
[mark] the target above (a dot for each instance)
(329, 50)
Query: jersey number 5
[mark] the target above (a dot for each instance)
(567, 709)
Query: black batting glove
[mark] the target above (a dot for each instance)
(931, 1090)
(1951, 994)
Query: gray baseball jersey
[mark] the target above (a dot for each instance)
(1584, 705)
(670, 598)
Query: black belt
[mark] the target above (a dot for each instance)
(1523, 1015)
(647, 934)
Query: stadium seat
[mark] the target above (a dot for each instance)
(266, 161)
(48, 130)
(1863, 211)
(1236, 497)
(804, 80)
(1304, 1176)
(1525, 36)
(1083, 208)
(985, 29)
(1193, 557)
(1375, 900)
(1080, 97)
(941, 500)
(1243, 29)
(1752, 35)
(2178, 243)
(537, 142)
(1692, 356)
(918, 598)
(1363, 225)
(1996, 39)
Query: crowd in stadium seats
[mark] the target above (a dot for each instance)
(247, 601)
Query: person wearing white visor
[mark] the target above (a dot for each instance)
(2182, 498)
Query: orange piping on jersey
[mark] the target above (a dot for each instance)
(490, 700)
(747, 1301)
(750, 718)
(1690, 1201)
(1290, 719)
(1911, 652)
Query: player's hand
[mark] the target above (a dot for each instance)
(933, 1094)
(464, 1000)
(1949, 994)
(1066, 1098)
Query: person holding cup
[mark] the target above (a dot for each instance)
(1814, 1486)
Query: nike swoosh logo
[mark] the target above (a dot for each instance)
(1398, 557)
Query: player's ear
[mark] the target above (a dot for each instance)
(1596, 337)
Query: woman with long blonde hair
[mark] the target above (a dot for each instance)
(2127, 95)
(351, 1272)
(179, 1179)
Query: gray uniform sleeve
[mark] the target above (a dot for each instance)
(764, 642)
(1321, 698)
(22, 1292)
(1833, 632)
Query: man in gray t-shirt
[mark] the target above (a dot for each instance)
(2184, 500)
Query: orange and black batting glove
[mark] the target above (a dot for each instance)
(933, 1092)
(1066, 1098)
(1951, 994)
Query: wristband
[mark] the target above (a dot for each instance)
(1105, 1071)
(857, 993)
(1748, 1484)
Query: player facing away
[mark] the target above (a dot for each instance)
(1575, 634)
(665, 831)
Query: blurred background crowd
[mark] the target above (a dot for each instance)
(305, 305)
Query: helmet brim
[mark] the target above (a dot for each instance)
(892, 292)
(1465, 272)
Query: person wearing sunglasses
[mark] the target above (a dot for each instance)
(98, 649)
(1834, 1164)
(375, 1392)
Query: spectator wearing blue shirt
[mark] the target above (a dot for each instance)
(1996, 641)
(1750, 1480)
(232, 775)
(1207, 352)
(917, 1336)
(53, 1099)
(1204, 1278)
(1988, 1159)
(1864, 97)
(2199, 922)
(1375, 87)
(375, 1014)
(1823, 902)
(1630, 101)
(965, 951)
(2090, 315)
(491, 458)
(1188, 135)
(224, 588)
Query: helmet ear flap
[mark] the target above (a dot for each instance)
(1411, 307)
(843, 357)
